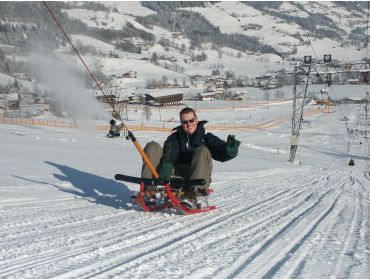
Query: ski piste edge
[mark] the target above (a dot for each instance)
(168, 184)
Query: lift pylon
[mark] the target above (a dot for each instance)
(301, 75)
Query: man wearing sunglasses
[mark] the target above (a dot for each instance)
(188, 153)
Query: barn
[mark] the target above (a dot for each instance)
(164, 97)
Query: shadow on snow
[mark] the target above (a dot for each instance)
(103, 190)
(94, 188)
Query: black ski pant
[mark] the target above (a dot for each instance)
(199, 168)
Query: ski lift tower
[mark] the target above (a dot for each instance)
(301, 75)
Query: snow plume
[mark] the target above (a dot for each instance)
(65, 84)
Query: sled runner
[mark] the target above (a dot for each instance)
(158, 194)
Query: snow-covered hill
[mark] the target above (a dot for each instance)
(232, 18)
(62, 215)
(283, 26)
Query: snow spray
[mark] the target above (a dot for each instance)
(65, 84)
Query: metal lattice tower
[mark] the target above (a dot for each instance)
(301, 75)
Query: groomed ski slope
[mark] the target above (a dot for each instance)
(62, 215)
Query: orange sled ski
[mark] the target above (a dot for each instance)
(157, 194)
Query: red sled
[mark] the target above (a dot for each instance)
(165, 194)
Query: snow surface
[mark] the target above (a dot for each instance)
(63, 215)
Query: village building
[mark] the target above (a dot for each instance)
(198, 81)
(353, 100)
(108, 98)
(207, 96)
(267, 81)
(211, 95)
(165, 97)
(199, 84)
(216, 82)
(135, 98)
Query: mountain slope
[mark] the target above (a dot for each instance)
(62, 214)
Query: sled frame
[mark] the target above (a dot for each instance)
(173, 201)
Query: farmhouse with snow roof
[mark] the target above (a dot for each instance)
(165, 97)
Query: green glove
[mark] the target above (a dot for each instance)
(165, 170)
(232, 146)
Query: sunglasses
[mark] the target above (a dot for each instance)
(188, 121)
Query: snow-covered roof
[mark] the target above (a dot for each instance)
(212, 93)
(165, 92)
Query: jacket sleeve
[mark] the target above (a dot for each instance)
(217, 147)
(171, 149)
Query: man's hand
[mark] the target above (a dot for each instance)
(165, 170)
(232, 146)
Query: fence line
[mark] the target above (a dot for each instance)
(142, 127)
(38, 122)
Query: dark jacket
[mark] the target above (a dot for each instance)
(180, 147)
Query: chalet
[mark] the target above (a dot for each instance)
(199, 84)
(165, 97)
(216, 82)
(135, 98)
(198, 81)
(211, 95)
(208, 96)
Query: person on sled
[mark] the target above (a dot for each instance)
(115, 128)
(188, 153)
